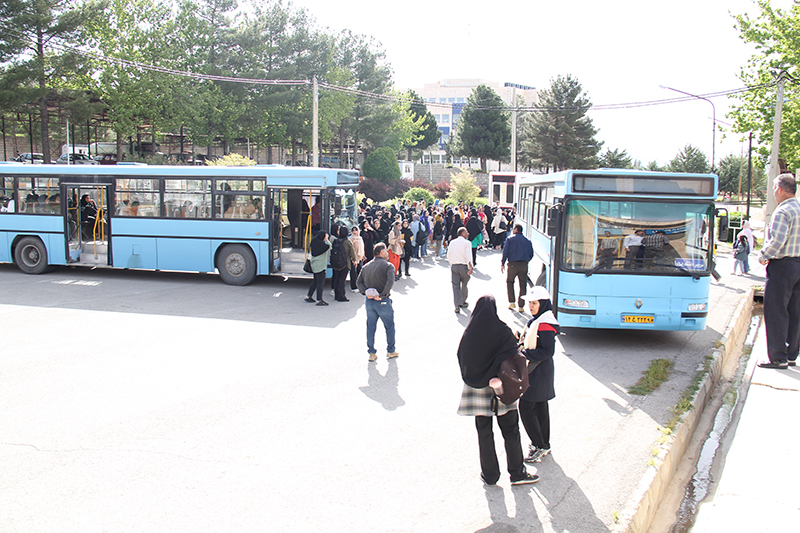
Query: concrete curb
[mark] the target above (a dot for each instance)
(639, 513)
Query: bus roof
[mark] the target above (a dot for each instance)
(275, 175)
(628, 182)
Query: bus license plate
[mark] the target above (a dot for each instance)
(632, 319)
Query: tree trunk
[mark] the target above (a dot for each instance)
(341, 145)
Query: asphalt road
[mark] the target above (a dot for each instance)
(142, 401)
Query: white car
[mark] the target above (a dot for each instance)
(76, 159)
(28, 158)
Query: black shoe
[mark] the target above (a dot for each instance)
(465, 304)
(784, 365)
(528, 479)
(310, 300)
(342, 300)
(487, 482)
(458, 310)
(322, 302)
(792, 363)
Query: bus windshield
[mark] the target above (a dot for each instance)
(636, 236)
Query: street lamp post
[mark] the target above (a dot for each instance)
(713, 121)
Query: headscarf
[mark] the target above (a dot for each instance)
(318, 244)
(487, 342)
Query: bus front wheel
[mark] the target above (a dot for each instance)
(236, 264)
(31, 256)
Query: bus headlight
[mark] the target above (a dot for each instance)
(583, 304)
(698, 307)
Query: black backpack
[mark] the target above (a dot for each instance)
(338, 259)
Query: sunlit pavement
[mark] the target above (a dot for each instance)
(131, 403)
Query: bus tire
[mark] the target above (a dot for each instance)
(30, 255)
(236, 264)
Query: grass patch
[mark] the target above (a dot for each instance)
(685, 403)
(657, 373)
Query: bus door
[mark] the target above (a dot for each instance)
(87, 223)
(296, 217)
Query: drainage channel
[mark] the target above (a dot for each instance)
(700, 485)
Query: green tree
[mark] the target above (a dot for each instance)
(615, 159)
(382, 165)
(690, 159)
(732, 174)
(463, 188)
(428, 133)
(36, 68)
(776, 36)
(484, 130)
(559, 135)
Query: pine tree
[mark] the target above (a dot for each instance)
(484, 130)
(559, 135)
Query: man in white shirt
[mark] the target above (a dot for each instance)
(633, 247)
(459, 254)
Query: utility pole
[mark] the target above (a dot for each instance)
(514, 129)
(315, 124)
(774, 169)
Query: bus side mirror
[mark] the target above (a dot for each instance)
(723, 229)
(553, 221)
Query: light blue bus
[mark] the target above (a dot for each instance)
(238, 221)
(622, 249)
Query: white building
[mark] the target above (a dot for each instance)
(445, 99)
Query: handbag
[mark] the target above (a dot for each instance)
(307, 267)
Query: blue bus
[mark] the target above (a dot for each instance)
(238, 221)
(622, 249)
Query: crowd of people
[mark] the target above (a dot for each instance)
(380, 248)
(408, 229)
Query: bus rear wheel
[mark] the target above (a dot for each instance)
(236, 264)
(31, 256)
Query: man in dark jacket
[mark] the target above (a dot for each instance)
(518, 251)
(375, 282)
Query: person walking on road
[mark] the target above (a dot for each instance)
(781, 254)
(539, 345)
(459, 254)
(375, 282)
(487, 341)
(517, 251)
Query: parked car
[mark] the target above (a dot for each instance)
(76, 159)
(27, 157)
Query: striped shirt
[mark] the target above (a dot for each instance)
(783, 238)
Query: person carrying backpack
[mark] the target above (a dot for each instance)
(487, 342)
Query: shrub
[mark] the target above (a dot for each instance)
(441, 190)
(382, 165)
(418, 193)
(379, 191)
(232, 160)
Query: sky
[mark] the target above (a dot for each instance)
(621, 51)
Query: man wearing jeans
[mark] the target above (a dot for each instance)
(375, 282)
(781, 254)
(459, 254)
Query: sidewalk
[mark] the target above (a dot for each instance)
(757, 490)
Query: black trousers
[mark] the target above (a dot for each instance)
(354, 272)
(782, 309)
(339, 277)
(536, 420)
(317, 284)
(509, 426)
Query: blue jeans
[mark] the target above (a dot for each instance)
(423, 248)
(380, 309)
